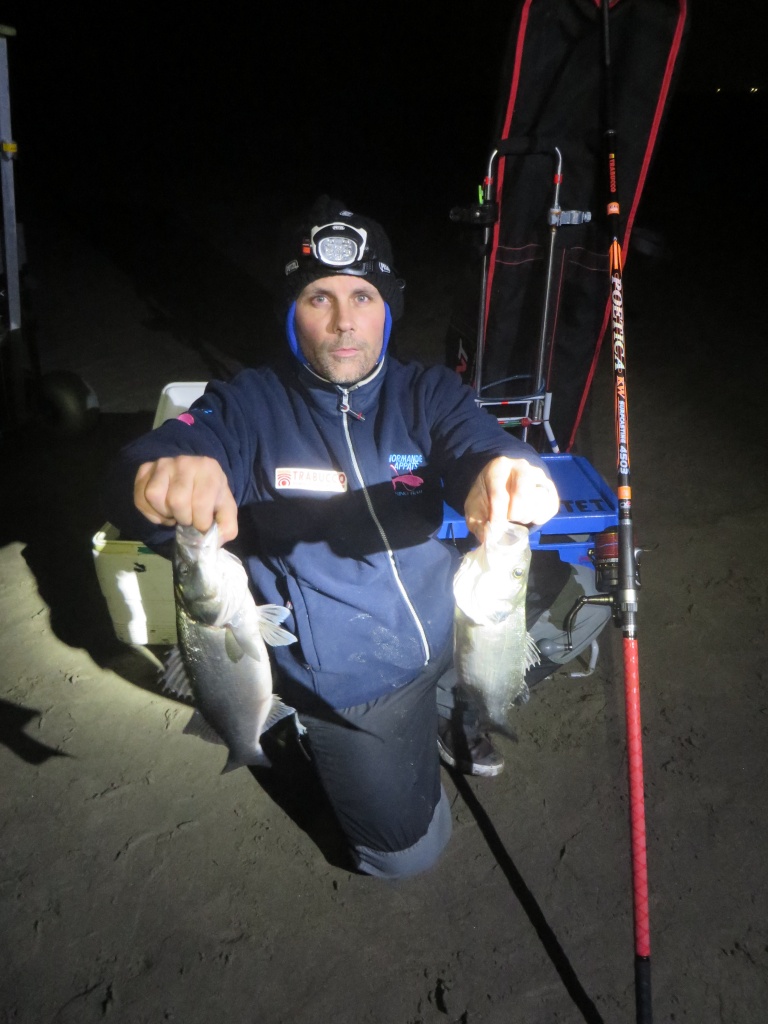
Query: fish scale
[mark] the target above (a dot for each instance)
(492, 647)
(223, 662)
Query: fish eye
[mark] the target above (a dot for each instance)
(517, 573)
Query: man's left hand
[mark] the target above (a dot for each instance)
(509, 490)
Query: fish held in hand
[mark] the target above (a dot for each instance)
(492, 647)
(222, 661)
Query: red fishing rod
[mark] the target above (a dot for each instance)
(625, 610)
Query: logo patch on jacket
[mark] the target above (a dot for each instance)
(293, 478)
(404, 479)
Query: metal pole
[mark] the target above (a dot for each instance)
(13, 376)
(7, 153)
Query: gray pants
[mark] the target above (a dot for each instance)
(379, 766)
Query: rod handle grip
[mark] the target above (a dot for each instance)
(643, 1008)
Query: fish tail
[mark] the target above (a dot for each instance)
(259, 760)
(277, 712)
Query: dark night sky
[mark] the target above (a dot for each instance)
(234, 86)
(395, 108)
(294, 94)
(117, 106)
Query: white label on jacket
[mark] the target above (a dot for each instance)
(310, 480)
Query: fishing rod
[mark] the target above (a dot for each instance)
(625, 609)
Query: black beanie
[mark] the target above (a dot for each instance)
(360, 241)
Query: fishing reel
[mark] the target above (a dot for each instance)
(605, 558)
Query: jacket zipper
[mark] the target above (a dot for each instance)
(346, 411)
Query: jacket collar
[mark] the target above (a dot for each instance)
(358, 399)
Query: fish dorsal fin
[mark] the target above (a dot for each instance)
(532, 655)
(175, 677)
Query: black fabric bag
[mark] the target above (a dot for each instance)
(552, 96)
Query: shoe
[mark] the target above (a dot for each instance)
(470, 752)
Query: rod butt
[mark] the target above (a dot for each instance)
(643, 989)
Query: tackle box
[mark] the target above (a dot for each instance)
(587, 506)
(137, 584)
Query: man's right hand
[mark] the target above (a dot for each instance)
(189, 489)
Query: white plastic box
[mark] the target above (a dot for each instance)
(138, 587)
(137, 583)
(177, 398)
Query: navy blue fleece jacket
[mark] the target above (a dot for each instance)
(340, 495)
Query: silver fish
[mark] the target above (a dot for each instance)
(222, 660)
(492, 648)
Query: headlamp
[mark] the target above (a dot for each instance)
(338, 244)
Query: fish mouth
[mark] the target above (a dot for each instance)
(190, 548)
(195, 562)
(190, 535)
(193, 544)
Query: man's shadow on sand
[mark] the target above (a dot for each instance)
(53, 511)
(294, 786)
(14, 719)
(290, 781)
